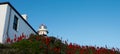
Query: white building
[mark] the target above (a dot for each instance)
(43, 30)
(12, 23)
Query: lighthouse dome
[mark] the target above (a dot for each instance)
(43, 30)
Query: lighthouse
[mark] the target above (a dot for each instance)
(43, 30)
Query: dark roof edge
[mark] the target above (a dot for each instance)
(19, 15)
(3, 3)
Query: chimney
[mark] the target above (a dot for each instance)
(25, 16)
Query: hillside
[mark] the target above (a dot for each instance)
(36, 44)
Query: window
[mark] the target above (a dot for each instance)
(15, 23)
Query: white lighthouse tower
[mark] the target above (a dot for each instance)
(43, 30)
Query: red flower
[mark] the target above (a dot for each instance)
(37, 38)
(23, 36)
(15, 39)
(8, 40)
(47, 40)
(19, 38)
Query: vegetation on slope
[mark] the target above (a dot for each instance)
(36, 44)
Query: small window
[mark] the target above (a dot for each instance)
(15, 23)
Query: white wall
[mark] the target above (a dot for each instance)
(22, 26)
(3, 12)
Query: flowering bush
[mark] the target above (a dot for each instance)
(36, 44)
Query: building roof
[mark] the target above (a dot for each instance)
(19, 15)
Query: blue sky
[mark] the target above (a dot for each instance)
(85, 22)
